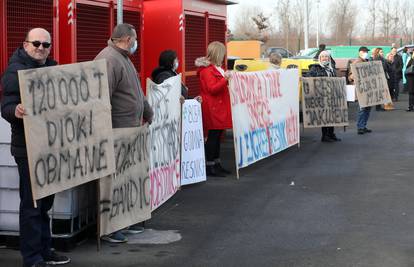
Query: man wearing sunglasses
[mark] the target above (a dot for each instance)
(129, 106)
(34, 227)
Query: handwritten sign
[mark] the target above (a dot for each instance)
(265, 111)
(68, 125)
(324, 102)
(125, 195)
(371, 84)
(164, 141)
(193, 168)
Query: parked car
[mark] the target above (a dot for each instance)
(282, 51)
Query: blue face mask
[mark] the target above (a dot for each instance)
(133, 48)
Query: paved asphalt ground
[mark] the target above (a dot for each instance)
(352, 204)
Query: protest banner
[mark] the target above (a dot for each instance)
(324, 102)
(371, 84)
(68, 125)
(125, 195)
(265, 111)
(193, 167)
(164, 141)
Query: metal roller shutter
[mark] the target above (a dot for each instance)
(93, 27)
(195, 40)
(134, 18)
(22, 15)
(216, 30)
(193, 84)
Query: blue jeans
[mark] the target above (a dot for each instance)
(363, 115)
(34, 227)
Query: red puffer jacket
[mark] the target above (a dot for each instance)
(216, 99)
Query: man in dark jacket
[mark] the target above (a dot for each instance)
(398, 66)
(35, 237)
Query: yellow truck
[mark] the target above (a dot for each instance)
(245, 49)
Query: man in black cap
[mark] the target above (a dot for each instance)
(363, 113)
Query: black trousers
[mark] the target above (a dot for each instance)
(35, 235)
(328, 131)
(410, 86)
(212, 146)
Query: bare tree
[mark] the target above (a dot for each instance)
(245, 28)
(342, 20)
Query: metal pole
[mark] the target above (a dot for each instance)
(120, 13)
(318, 23)
(306, 31)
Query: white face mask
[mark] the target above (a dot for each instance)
(133, 48)
(175, 67)
(365, 55)
(325, 63)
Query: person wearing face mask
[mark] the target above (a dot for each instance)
(363, 113)
(129, 106)
(216, 104)
(324, 69)
(167, 68)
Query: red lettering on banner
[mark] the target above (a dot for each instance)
(292, 128)
(165, 181)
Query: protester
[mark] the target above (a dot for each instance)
(397, 65)
(392, 82)
(167, 68)
(405, 58)
(378, 55)
(275, 60)
(322, 47)
(410, 84)
(324, 69)
(363, 113)
(129, 106)
(34, 222)
(216, 104)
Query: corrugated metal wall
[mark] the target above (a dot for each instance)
(134, 18)
(93, 28)
(22, 15)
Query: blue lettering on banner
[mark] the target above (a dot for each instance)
(254, 145)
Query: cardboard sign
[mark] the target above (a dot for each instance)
(125, 195)
(68, 125)
(324, 102)
(265, 111)
(193, 166)
(371, 84)
(164, 141)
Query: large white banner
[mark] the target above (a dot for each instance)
(265, 111)
(164, 141)
(124, 197)
(68, 125)
(193, 167)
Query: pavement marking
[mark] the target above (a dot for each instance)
(151, 236)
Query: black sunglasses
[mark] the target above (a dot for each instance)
(38, 43)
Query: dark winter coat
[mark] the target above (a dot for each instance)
(398, 66)
(410, 78)
(160, 74)
(316, 70)
(20, 60)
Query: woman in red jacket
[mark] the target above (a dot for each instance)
(215, 106)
